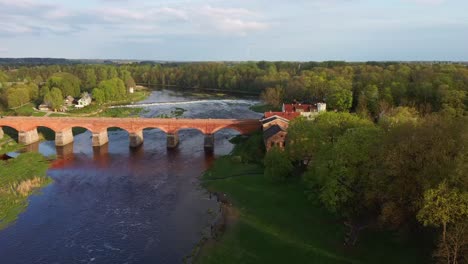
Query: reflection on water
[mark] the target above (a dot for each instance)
(114, 204)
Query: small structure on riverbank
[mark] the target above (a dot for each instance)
(275, 126)
(274, 136)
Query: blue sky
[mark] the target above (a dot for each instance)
(303, 30)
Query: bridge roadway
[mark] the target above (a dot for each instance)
(62, 126)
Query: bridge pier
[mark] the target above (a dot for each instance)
(33, 147)
(136, 139)
(209, 143)
(63, 137)
(65, 151)
(1, 133)
(28, 137)
(100, 138)
(172, 140)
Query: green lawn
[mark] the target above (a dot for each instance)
(278, 225)
(25, 110)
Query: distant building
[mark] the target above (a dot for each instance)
(309, 111)
(285, 115)
(69, 101)
(321, 107)
(297, 108)
(274, 136)
(85, 100)
(44, 107)
(274, 120)
(275, 124)
(131, 90)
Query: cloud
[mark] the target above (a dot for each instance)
(27, 17)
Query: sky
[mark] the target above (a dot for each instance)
(204, 30)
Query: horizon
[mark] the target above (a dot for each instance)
(219, 30)
(233, 61)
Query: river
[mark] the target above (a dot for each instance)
(117, 205)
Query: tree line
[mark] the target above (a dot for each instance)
(369, 89)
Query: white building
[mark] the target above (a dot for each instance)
(85, 100)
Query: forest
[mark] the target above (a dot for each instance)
(365, 88)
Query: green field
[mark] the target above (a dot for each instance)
(277, 224)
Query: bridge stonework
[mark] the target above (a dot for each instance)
(27, 128)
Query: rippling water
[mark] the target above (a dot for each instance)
(117, 205)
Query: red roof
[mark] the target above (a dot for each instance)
(286, 115)
(295, 107)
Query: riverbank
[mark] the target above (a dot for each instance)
(277, 224)
(19, 178)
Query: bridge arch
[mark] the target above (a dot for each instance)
(147, 128)
(47, 132)
(182, 128)
(117, 128)
(11, 131)
(231, 127)
(10, 127)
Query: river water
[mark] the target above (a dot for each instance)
(118, 205)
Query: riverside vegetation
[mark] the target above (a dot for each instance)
(19, 178)
(348, 190)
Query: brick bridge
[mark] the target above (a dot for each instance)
(27, 128)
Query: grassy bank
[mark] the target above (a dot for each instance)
(262, 108)
(277, 224)
(19, 178)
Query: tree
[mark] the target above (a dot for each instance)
(340, 99)
(273, 96)
(114, 89)
(90, 79)
(302, 140)
(278, 167)
(414, 158)
(399, 115)
(68, 83)
(444, 206)
(17, 96)
(342, 172)
(99, 95)
(54, 99)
